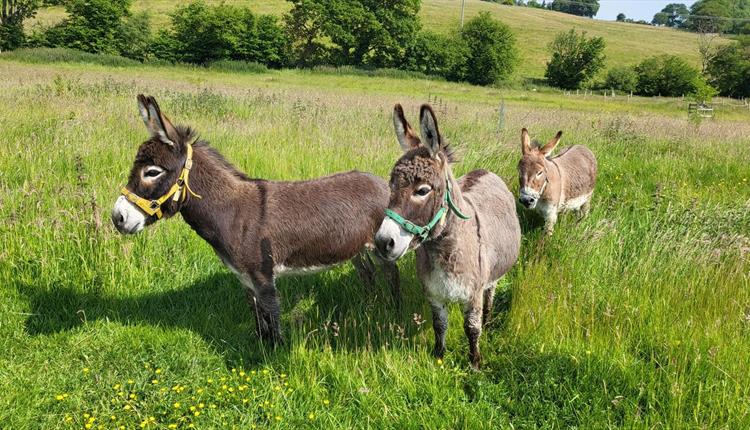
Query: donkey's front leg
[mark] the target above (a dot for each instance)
(268, 312)
(365, 269)
(550, 219)
(390, 270)
(439, 326)
(473, 329)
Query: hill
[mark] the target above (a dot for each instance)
(627, 44)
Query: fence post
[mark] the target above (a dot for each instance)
(501, 116)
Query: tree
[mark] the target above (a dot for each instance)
(621, 17)
(729, 70)
(202, 34)
(667, 75)
(12, 15)
(352, 32)
(707, 16)
(587, 8)
(673, 15)
(91, 26)
(622, 79)
(438, 54)
(575, 59)
(492, 52)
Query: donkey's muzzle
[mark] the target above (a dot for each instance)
(528, 201)
(384, 245)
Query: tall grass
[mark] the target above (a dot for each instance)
(637, 316)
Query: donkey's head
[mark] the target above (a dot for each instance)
(158, 178)
(532, 169)
(419, 183)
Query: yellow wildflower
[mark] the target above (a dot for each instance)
(176, 405)
(172, 426)
(326, 402)
(158, 371)
(86, 370)
(311, 416)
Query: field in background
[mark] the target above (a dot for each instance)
(627, 44)
(638, 316)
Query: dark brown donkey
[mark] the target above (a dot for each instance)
(260, 229)
(466, 231)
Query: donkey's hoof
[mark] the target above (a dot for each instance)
(438, 352)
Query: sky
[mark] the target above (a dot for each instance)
(635, 9)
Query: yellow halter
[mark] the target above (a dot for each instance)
(153, 207)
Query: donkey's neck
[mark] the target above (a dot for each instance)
(226, 200)
(448, 239)
(553, 176)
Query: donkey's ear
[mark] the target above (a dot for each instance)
(156, 122)
(429, 128)
(525, 141)
(547, 149)
(404, 133)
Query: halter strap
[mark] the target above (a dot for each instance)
(423, 232)
(176, 192)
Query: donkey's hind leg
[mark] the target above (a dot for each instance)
(584, 210)
(473, 329)
(489, 299)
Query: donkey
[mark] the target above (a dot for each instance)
(466, 232)
(260, 229)
(549, 185)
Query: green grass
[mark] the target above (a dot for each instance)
(627, 44)
(637, 316)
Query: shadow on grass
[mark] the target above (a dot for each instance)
(330, 309)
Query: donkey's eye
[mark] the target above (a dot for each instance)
(152, 172)
(423, 191)
(539, 173)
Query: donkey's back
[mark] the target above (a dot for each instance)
(326, 220)
(499, 229)
(578, 169)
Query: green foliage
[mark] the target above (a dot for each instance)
(714, 16)
(729, 70)
(238, 66)
(622, 78)
(575, 59)
(134, 38)
(702, 92)
(202, 34)
(667, 75)
(672, 15)
(91, 26)
(492, 52)
(587, 8)
(621, 17)
(66, 55)
(12, 15)
(438, 54)
(351, 32)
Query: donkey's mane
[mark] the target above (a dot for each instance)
(187, 134)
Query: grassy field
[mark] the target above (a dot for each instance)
(638, 316)
(627, 44)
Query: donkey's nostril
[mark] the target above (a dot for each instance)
(390, 245)
(118, 218)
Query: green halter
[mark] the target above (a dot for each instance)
(423, 232)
